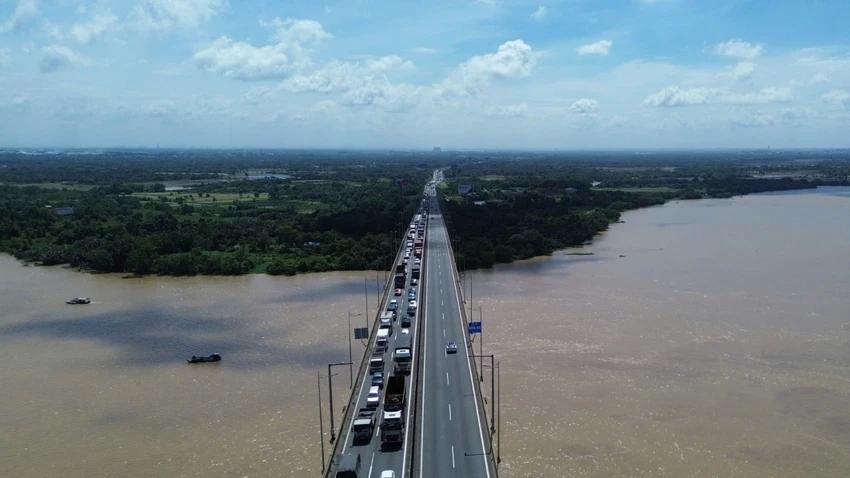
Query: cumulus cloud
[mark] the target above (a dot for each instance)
(22, 17)
(507, 111)
(742, 70)
(513, 59)
(675, 96)
(838, 98)
(539, 14)
(172, 14)
(55, 57)
(601, 47)
(344, 76)
(243, 61)
(584, 106)
(98, 26)
(738, 49)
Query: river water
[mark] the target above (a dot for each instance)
(718, 345)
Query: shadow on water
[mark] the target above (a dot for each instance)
(150, 337)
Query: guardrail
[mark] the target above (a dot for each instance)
(353, 397)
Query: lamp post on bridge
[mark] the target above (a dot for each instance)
(331, 396)
(350, 359)
(492, 391)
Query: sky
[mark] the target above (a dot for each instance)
(465, 74)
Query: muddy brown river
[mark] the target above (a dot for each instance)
(700, 338)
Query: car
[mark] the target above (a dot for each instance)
(414, 281)
(393, 305)
(451, 348)
(411, 304)
(417, 262)
(411, 295)
(374, 397)
(378, 380)
(397, 292)
(405, 330)
(407, 254)
(388, 474)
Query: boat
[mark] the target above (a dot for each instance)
(205, 358)
(78, 301)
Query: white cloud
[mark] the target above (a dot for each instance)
(243, 61)
(761, 97)
(90, 31)
(755, 120)
(584, 106)
(742, 70)
(54, 57)
(507, 111)
(675, 96)
(513, 59)
(738, 49)
(345, 76)
(25, 12)
(601, 47)
(172, 14)
(838, 98)
(540, 14)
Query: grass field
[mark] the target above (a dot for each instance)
(195, 199)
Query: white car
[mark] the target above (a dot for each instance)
(388, 474)
(405, 330)
(374, 397)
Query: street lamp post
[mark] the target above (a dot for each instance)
(321, 429)
(331, 396)
(492, 389)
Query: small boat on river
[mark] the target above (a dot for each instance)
(205, 358)
(78, 301)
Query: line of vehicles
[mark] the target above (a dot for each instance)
(388, 387)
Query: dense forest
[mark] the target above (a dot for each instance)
(500, 210)
(294, 214)
(285, 212)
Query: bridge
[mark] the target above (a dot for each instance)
(440, 427)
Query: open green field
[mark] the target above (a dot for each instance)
(195, 199)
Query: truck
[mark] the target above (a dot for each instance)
(402, 355)
(392, 428)
(394, 394)
(414, 273)
(400, 279)
(363, 426)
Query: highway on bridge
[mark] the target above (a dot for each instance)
(454, 440)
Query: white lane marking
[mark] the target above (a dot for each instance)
(370, 465)
(450, 412)
(453, 456)
(444, 316)
(471, 383)
(447, 378)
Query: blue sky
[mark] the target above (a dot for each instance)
(571, 74)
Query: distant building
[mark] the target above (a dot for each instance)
(479, 203)
(464, 189)
(437, 149)
(63, 211)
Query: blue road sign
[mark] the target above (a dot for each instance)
(361, 333)
(475, 327)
